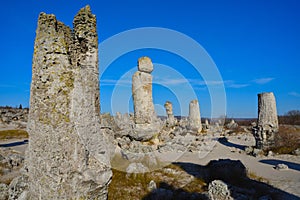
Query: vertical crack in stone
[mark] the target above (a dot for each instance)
(67, 155)
(267, 122)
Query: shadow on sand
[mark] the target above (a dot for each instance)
(13, 144)
(274, 162)
(232, 172)
(225, 142)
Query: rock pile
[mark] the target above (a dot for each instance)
(14, 116)
(67, 156)
(232, 125)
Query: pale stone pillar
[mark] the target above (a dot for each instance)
(171, 121)
(267, 122)
(144, 112)
(67, 157)
(194, 116)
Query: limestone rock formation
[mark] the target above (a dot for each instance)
(267, 123)
(171, 121)
(16, 117)
(232, 125)
(206, 124)
(145, 65)
(194, 116)
(146, 122)
(67, 155)
(144, 112)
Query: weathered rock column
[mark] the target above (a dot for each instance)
(146, 122)
(206, 124)
(267, 123)
(144, 112)
(194, 117)
(171, 121)
(67, 157)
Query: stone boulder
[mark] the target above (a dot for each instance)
(145, 65)
(232, 125)
(218, 190)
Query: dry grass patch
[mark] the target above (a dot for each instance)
(135, 186)
(13, 134)
(287, 140)
(255, 177)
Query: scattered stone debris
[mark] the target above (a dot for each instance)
(232, 125)
(136, 168)
(253, 151)
(296, 152)
(281, 166)
(3, 191)
(14, 116)
(18, 188)
(270, 153)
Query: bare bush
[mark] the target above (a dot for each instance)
(287, 140)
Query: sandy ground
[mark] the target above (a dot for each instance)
(16, 145)
(262, 166)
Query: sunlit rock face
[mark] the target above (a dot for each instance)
(171, 121)
(144, 112)
(67, 157)
(194, 120)
(267, 123)
(147, 124)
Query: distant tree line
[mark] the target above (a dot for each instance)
(10, 107)
(292, 117)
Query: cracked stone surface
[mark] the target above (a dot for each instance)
(67, 155)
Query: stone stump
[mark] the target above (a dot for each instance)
(194, 120)
(206, 124)
(171, 121)
(267, 122)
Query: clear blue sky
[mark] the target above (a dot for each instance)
(255, 45)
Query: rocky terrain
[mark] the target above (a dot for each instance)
(180, 164)
(13, 117)
(72, 151)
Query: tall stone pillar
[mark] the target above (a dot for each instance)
(194, 116)
(267, 122)
(67, 157)
(144, 112)
(171, 121)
